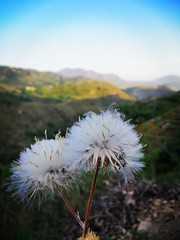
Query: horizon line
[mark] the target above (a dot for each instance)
(88, 70)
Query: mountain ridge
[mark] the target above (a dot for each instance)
(171, 81)
(50, 85)
(33, 83)
(79, 72)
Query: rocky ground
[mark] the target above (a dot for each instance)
(143, 210)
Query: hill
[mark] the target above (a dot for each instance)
(158, 120)
(143, 92)
(162, 135)
(48, 85)
(23, 118)
(170, 81)
(79, 72)
(145, 110)
(22, 77)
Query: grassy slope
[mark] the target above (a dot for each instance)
(162, 137)
(31, 101)
(142, 111)
(86, 89)
(21, 120)
(21, 77)
(160, 121)
(30, 83)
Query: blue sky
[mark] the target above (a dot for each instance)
(135, 39)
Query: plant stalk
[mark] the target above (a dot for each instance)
(75, 215)
(88, 209)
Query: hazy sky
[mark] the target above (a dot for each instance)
(135, 39)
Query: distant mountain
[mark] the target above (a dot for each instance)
(79, 72)
(171, 81)
(143, 92)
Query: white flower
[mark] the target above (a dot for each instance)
(39, 168)
(106, 138)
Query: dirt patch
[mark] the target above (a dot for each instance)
(140, 211)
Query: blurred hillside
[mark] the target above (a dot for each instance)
(32, 101)
(144, 92)
(159, 120)
(47, 85)
(172, 82)
(70, 84)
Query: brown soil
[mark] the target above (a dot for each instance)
(140, 211)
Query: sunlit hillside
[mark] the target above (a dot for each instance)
(47, 85)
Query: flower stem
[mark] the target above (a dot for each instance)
(75, 215)
(88, 209)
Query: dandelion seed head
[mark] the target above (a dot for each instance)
(107, 138)
(38, 168)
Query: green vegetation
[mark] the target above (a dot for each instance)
(28, 84)
(162, 137)
(85, 89)
(142, 111)
(158, 120)
(31, 102)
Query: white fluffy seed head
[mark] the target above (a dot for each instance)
(38, 168)
(106, 138)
